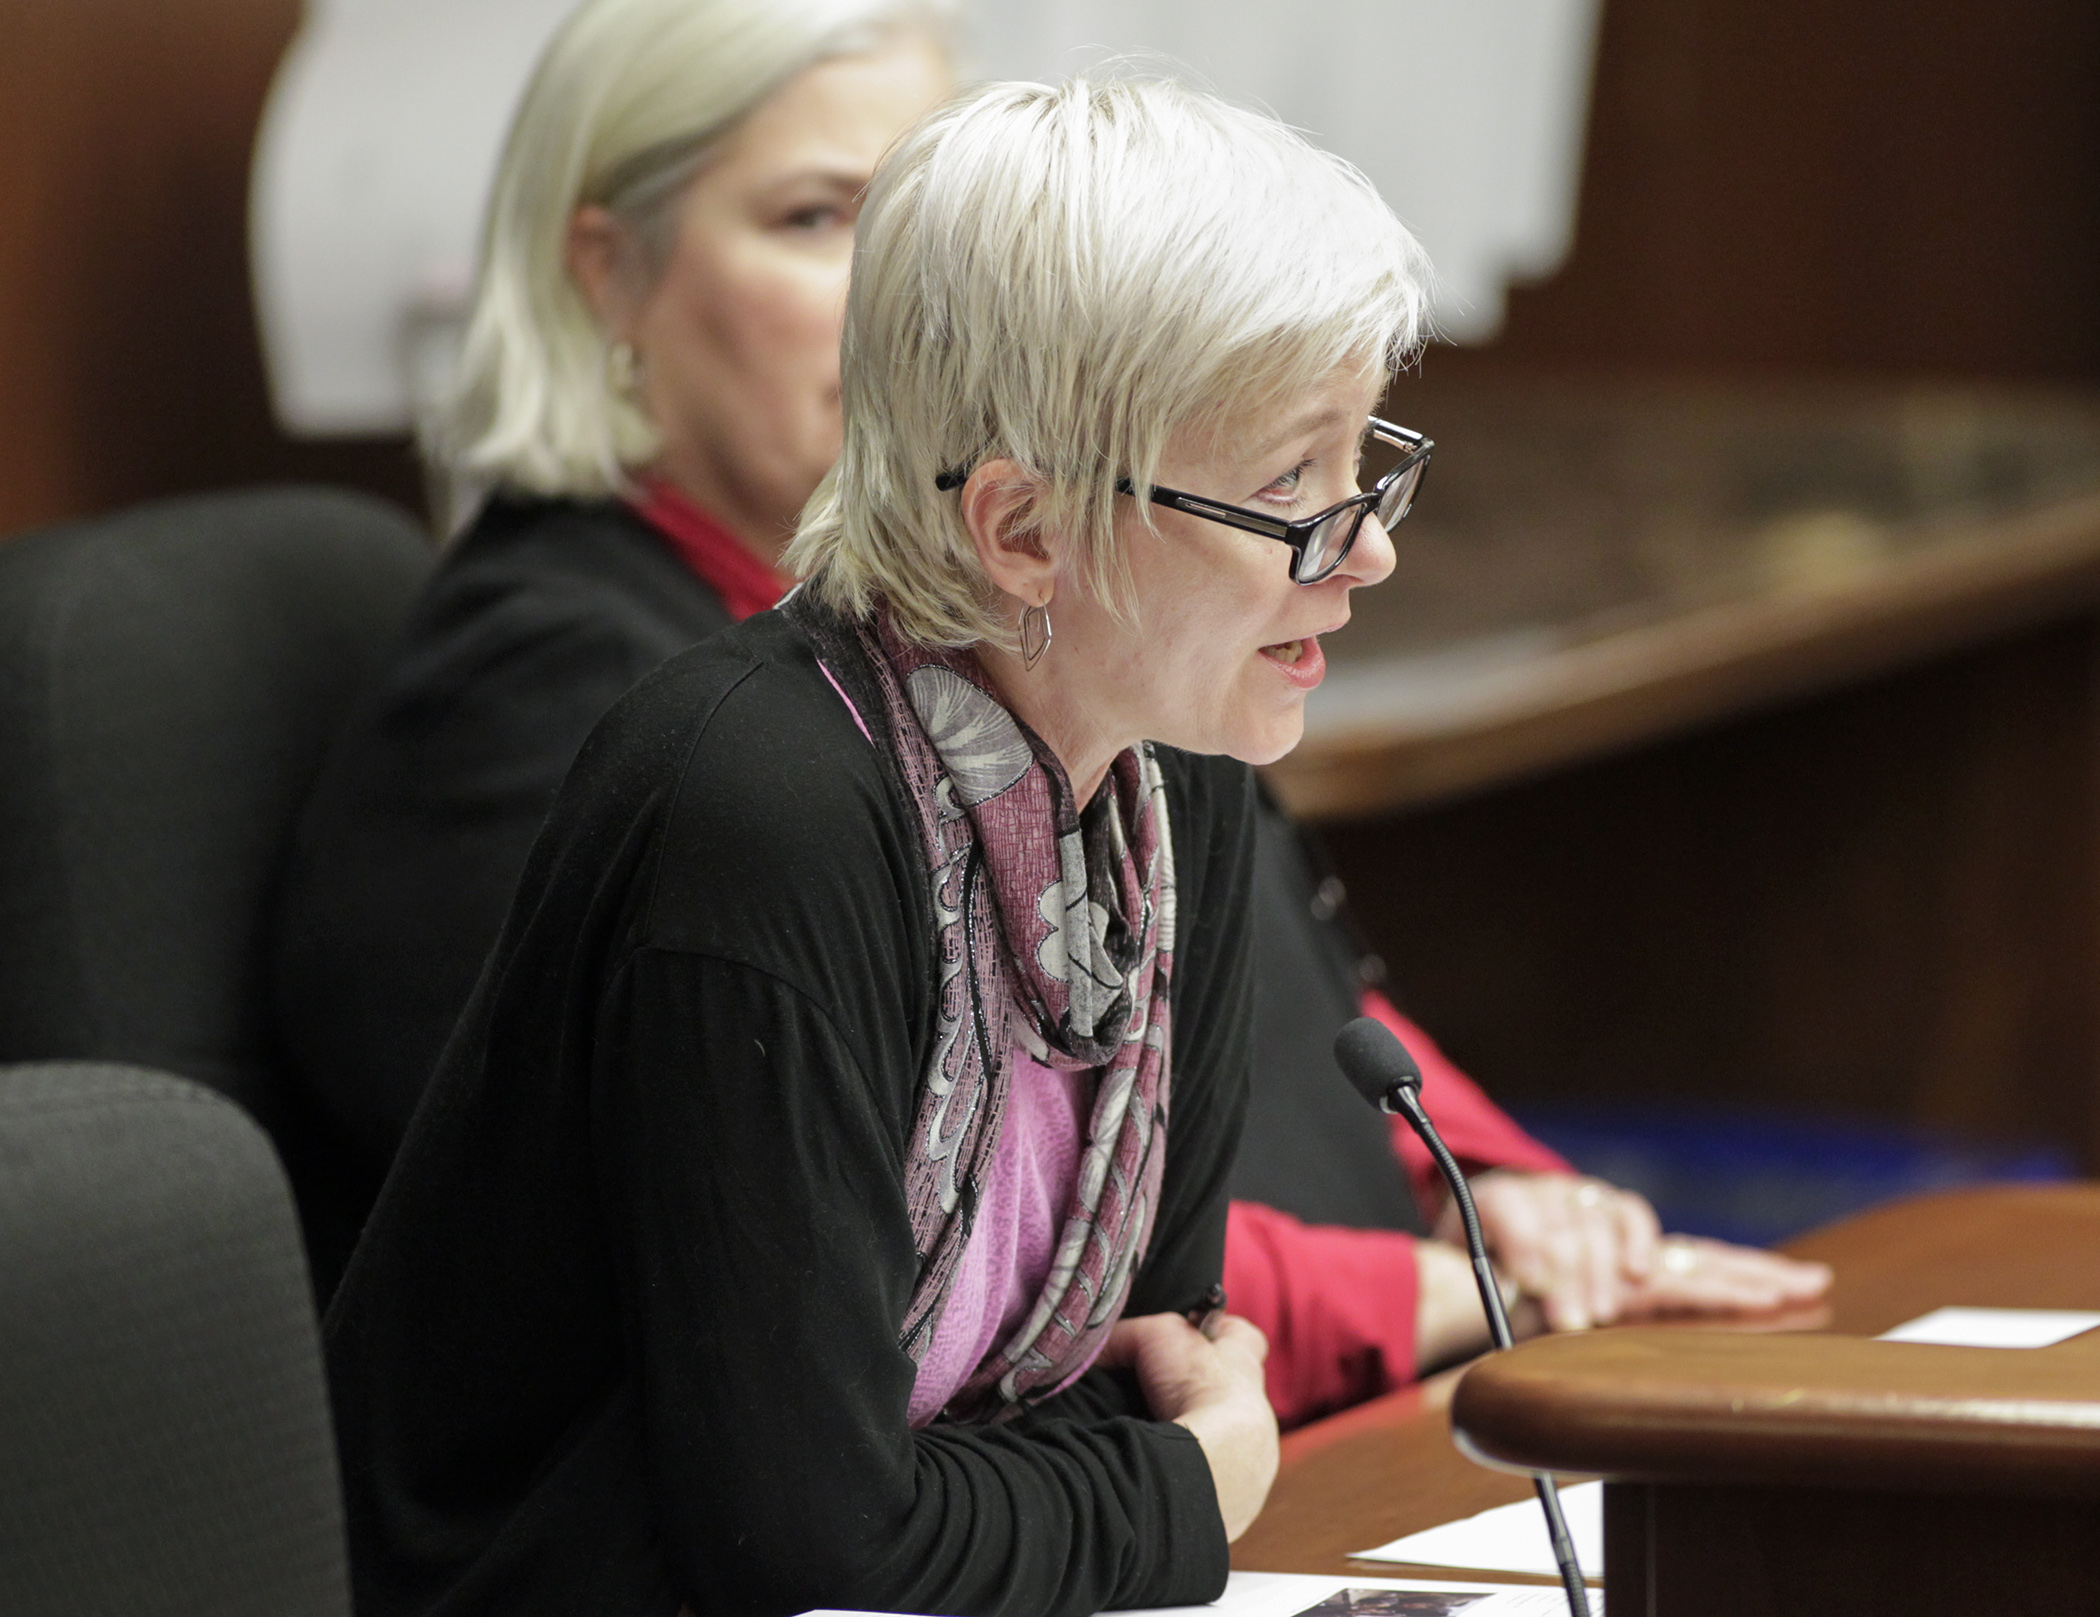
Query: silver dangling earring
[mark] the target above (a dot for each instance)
(1035, 635)
(623, 368)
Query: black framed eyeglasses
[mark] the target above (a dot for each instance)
(1319, 543)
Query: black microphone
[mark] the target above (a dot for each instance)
(1372, 1057)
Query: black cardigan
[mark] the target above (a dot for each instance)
(406, 857)
(623, 1328)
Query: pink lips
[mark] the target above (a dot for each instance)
(1308, 670)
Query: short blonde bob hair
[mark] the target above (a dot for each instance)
(622, 110)
(1066, 278)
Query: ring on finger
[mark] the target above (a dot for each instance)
(1589, 1194)
(1679, 1257)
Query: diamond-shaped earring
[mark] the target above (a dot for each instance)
(623, 369)
(1035, 635)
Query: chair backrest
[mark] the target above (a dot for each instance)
(170, 678)
(165, 1447)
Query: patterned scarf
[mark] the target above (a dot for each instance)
(1053, 930)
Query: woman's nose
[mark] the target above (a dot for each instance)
(1372, 558)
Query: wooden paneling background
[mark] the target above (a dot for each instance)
(129, 363)
(1882, 902)
(1898, 185)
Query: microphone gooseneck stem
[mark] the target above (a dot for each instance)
(1408, 1103)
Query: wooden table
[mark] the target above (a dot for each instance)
(1389, 1467)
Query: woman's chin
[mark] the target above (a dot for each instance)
(1265, 743)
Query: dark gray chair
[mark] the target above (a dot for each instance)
(165, 1448)
(170, 679)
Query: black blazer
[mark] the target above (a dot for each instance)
(406, 858)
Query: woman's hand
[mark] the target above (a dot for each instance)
(1578, 1246)
(1591, 1254)
(1213, 1386)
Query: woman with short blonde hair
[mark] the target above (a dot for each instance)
(821, 1202)
(1045, 362)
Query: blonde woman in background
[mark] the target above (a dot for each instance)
(649, 393)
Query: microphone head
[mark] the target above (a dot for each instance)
(1375, 1061)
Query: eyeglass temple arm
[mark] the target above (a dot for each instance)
(1398, 436)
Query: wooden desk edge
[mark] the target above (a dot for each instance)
(1806, 1410)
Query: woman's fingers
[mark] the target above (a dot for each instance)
(1695, 1275)
(1179, 1367)
(1241, 1336)
(1605, 1250)
(1563, 1274)
(1590, 1253)
(1576, 1244)
(1640, 1235)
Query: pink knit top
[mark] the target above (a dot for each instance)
(1027, 1192)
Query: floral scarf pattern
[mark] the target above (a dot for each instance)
(1053, 930)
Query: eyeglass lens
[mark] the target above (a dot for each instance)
(1327, 544)
(1393, 503)
(1331, 540)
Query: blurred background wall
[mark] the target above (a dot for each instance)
(1783, 185)
(1870, 185)
(1878, 899)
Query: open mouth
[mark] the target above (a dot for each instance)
(1299, 661)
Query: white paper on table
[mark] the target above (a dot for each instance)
(1509, 1538)
(1294, 1594)
(1994, 1327)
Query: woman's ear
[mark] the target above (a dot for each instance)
(603, 259)
(998, 507)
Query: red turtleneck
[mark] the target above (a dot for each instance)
(745, 584)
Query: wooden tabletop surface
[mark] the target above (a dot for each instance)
(1590, 569)
(1389, 1467)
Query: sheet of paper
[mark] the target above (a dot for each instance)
(1993, 1327)
(1509, 1538)
(1293, 1594)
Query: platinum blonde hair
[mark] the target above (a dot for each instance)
(1066, 278)
(622, 110)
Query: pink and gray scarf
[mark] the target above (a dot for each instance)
(1054, 931)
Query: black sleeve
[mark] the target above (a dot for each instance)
(1096, 1396)
(766, 1251)
(411, 853)
(1212, 805)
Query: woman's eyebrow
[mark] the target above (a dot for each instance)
(847, 180)
(1312, 422)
